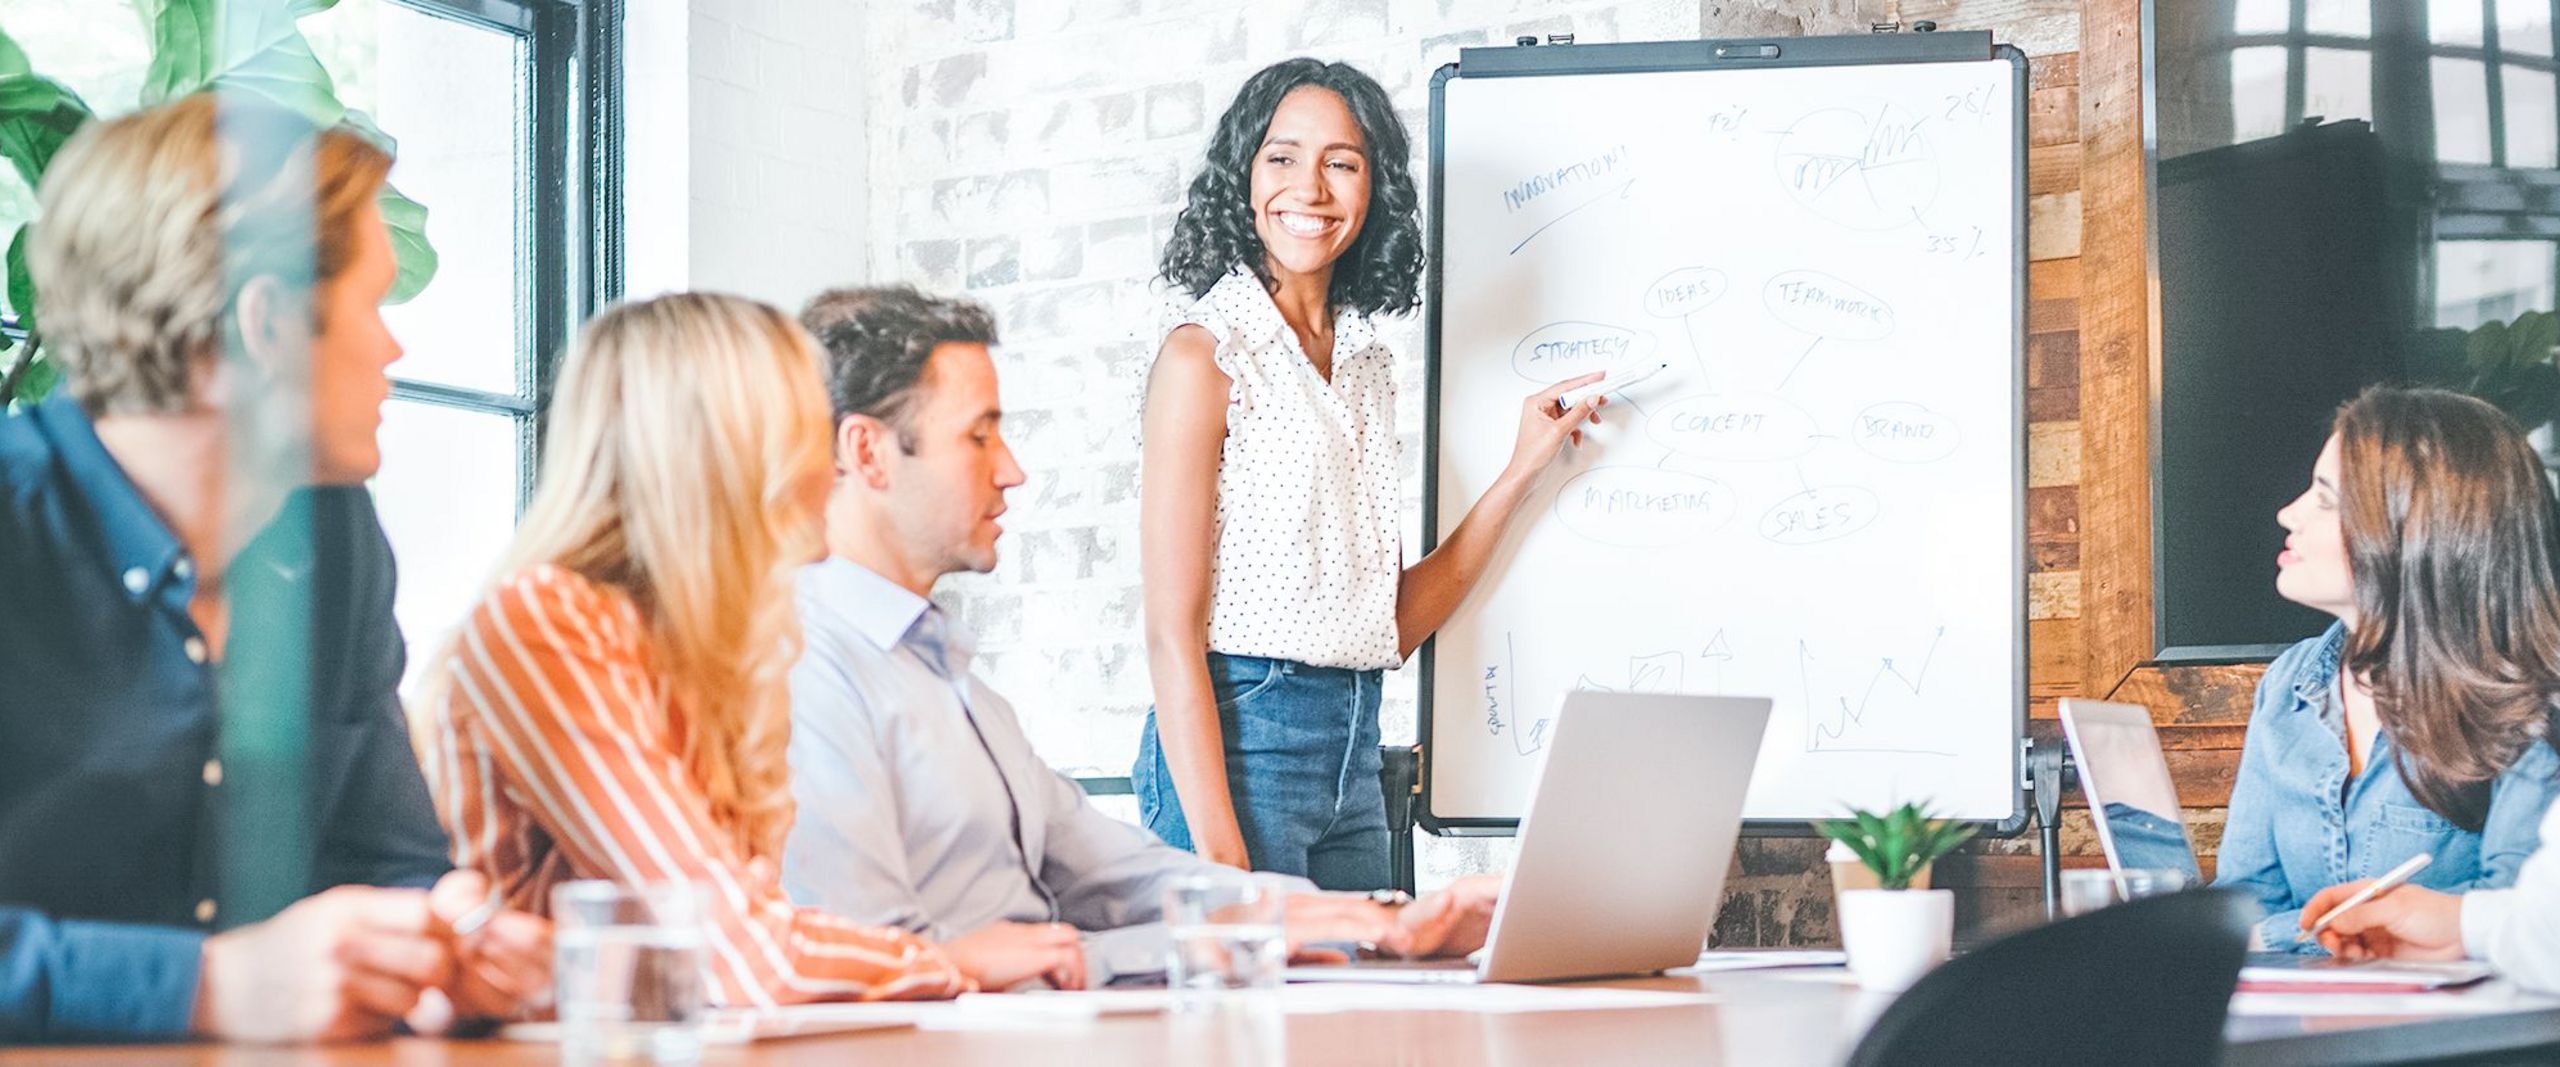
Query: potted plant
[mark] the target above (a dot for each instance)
(1894, 933)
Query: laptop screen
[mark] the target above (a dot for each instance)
(2132, 798)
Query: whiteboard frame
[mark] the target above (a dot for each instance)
(1725, 54)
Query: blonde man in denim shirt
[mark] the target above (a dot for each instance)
(2419, 723)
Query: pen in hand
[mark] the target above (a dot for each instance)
(2400, 874)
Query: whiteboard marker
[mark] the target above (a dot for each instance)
(1572, 397)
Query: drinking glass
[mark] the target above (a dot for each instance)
(2087, 889)
(628, 970)
(1227, 937)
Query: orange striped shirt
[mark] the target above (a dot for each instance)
(549, 760)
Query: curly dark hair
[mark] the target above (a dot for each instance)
(1381, 273)
(878, 342)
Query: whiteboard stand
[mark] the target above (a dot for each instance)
(1681, 202)
(2049, 773)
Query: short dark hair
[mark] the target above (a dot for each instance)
(879, 340)
(1381, 273)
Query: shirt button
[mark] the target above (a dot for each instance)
(184, 570)
(204, 910)
(195, 650)
(136, 580)
(213, 772)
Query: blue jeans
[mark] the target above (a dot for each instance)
(1302, 766)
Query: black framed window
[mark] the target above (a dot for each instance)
(507, 115)
(2345, 192)
(505, 112)
(2470, 86)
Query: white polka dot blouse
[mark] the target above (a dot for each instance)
(1308, 551)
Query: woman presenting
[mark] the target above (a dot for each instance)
(1276, 595)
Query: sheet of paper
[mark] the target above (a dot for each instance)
(2324, 971)
(2489, 997)
(1721, 962)
(1489, 998)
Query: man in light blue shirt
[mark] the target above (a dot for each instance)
(921, 802)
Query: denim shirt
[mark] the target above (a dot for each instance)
(2298, 824)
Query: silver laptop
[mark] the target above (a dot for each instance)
(2132, 799)
(1624, 848)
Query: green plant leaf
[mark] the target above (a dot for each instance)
(2530, 339)
(185, 47)
(408, 222)
(35, 382)
(287, 74)
(246, 45)
(22, 285)
(365, 127)
(2486, 349)
(37, 114)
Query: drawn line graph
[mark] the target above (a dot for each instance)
(1827, 732)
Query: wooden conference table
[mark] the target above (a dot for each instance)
(1758, 1019)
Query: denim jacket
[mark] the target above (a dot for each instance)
(2297, 825)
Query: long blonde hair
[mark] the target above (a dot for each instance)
(682, 430)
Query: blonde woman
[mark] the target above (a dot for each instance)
(617, 706)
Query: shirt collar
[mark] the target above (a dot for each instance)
(885, 613)
(2311, 691)
(146, 556)
(1354, 335)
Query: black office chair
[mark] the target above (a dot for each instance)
(2145, 983)
(1398, 767)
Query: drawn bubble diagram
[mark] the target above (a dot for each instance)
(1824, 306)
(1827, 513)
(1643, 507)
(1685, 291)
(1733, 426)
(1561, 350)
(1899, 431)
(1867, 168)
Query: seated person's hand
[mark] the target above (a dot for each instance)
(2404, 923)
(1453, 921)
(1004, 955)
(340, 965)
(1316, 919)
(502, 969)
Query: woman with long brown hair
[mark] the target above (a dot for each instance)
(2421, 721)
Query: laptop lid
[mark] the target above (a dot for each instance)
(1629, 833)
(2132, 799)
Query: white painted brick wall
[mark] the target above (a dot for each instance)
(776, 155)
(1032, 153)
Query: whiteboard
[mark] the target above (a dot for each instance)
(1820, 500)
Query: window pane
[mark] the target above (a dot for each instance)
(2341, 18)
(2454, 21)
(2337, 84)
(2491, 281)
(447, 494)
(2260, 16)
(2524, 27)
(2533, 131)
(2462, 110)
(2257, 93)
(452, 94)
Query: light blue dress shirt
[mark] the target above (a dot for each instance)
(2300, 823)
(922, 804)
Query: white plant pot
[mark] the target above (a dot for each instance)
(1894, 936)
